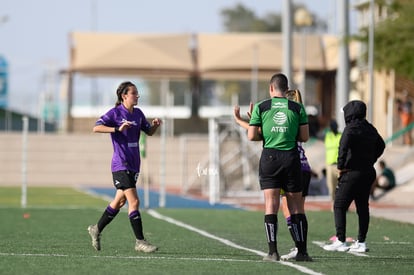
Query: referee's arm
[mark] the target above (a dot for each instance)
(254, 133)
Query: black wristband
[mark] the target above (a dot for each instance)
(116, 129)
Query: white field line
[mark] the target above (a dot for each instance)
(32, 254)
(157, 215)
(128, 257)
(391, 242)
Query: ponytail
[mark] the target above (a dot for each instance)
(294, 95)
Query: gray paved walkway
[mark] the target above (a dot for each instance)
(397, 204)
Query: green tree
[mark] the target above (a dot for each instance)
(241, 19)
(394, 39)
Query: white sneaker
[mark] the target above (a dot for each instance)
(358, 247)
(95, 235)
(144, 246)
(290, 256)
(336, 246)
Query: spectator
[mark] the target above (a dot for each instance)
(318, 185)
(331, 140)
(385, 181)
(360, 147)
(406, 116)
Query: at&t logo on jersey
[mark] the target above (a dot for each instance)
(279, 118)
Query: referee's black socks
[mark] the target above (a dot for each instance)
(271, 223)
(300, 232)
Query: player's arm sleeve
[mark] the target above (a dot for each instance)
(107, 120)
(145, 125)
(254, 131)
(303, 116)
(256, 119)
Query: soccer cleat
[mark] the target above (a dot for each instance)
(358, 247)
(272, 257)
(336, 246)
(290, 256)
(144, 246)
(95, 235)
(303, 257)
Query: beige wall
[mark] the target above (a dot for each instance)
(84, 160)
(383, 99)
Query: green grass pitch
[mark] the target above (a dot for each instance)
(50, 237)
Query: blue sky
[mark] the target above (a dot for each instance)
(34, 38)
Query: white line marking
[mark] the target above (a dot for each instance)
(129, 257)
(157, 215)
(391, 242)
(180, 258)
(33, 255)
(358, 254)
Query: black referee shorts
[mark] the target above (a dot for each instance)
(280, 169)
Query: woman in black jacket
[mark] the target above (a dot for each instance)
(360, 147)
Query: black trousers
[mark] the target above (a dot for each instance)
(353, 186)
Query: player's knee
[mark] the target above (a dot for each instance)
(134, 203)
(121, 203)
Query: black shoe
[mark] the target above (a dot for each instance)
(303, 257)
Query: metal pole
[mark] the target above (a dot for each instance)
(183, 161)
(41, 121)
(287, 38)
(390, 108)
(342, 80)
(213, 174)
(371, 60)
(254, 83)
(24, 161)
(144, 177)
(195, 78)
(164, 93)
(69, 117)
(245, 159)
(303, 66)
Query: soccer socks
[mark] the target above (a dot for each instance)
(300, 231)
(290, 228)
(108, 215)
(136, 223)
(270, 222)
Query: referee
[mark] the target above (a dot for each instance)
(280, 123)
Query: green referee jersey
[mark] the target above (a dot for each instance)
(280, 120)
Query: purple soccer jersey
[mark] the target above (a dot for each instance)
(303, 159)
(126, 143)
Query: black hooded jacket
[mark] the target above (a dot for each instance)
(360, 144)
